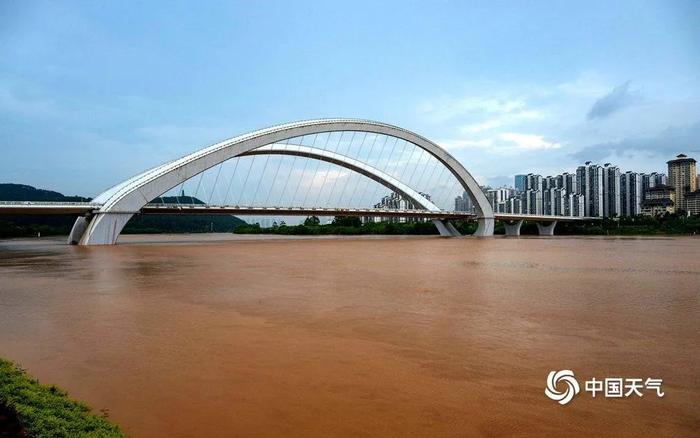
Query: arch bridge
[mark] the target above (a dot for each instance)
(325, 167)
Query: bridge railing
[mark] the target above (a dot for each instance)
(50, 203)
(283, 210)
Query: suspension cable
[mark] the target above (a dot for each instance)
(352, 138)
(359, 157)
(318, 165)
(306, 162)
(291, 169)
(274, 178)
(245, 181)
(328, 168)
(230, 181)
(262, 175)
(216, 180)
(196, 192)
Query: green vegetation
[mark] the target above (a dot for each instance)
(628, 226)
(675, 224)
(349, 226)
(25, 226)
(45, 411)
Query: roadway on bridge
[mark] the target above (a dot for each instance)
(83, 208)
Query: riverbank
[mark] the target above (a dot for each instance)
(30, 409)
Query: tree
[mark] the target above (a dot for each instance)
(312, 221)
(347, 221)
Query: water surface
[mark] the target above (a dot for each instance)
(421, 336)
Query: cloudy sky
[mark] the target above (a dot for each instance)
(94, 92)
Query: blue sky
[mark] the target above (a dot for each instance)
(94, 92)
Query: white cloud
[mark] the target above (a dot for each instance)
(529, 142)
(448, 108)
(476, 128)
(504, 120)
(455, 144)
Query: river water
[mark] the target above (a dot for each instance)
(217, 335)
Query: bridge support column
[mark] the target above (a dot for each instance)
(79, 227)
(485, 228)
(513, 227)
(445, 228)
(546, 229)
(450, 226)
(104, 228)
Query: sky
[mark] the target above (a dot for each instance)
(92, 93)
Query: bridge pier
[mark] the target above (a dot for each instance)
(445, 228)
(546, 229)
(104, 228)
(513, 227)
(450, 226)
(79, 227)
(486, 226)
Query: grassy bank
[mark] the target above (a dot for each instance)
(38, 410)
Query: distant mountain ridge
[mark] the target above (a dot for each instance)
(22, 192)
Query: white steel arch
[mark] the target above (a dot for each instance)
(121, 202)
(349, 163)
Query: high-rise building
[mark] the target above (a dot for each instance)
(575, 205)
(659, 200)
(593, 190)
(395, 201)
(651, 180)
(547, 201)
(692, 202)
(550, 182)
(533, 202)
(464, 203)
(515, 205)
(559, 202)
(631, 193)
(520, 182)
(533, 182)
(682, 176)
(569, 182)
(589, 179)
(499, 197)
(611, 191)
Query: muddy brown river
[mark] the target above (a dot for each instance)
(179, 336)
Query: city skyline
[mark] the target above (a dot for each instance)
(595, 190)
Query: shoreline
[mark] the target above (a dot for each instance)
(130, 239)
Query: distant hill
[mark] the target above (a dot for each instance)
(22, 226)
(184, 199)
(21, 192)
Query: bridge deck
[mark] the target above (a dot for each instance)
(300, 211)
(14, 208)
(82, 208)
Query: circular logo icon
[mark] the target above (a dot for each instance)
(566, 377)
